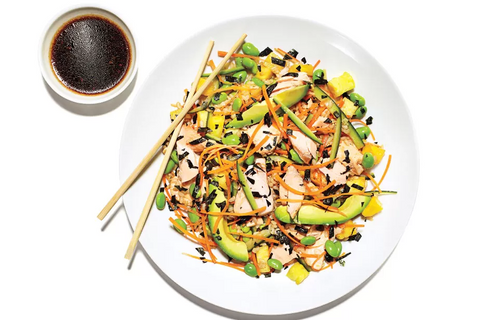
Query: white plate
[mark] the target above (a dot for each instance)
(392, 125)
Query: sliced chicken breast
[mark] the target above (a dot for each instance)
(257, 181)
(305, 147)
(294, 180)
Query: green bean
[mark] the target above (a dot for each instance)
(308, 241)
(181, 223)
(219, 98)
(193, 217)
(333, 248)
(191, 191)
(170, 166)
(360, 112)
(234, 188)
(363, 132)
(250, 160)
(240, 76)
(368, 160)
(250, 270)
(250, 49)
(259, 83)
(160, 201)
(237, 104)
(231, 140)
(275, 264)
(174, 156)
(357, 99)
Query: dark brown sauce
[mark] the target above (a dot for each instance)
(90, 54)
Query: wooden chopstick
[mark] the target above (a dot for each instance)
(133, 176)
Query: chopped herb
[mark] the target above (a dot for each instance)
(211, 197)
(231, 79)
(328, 201)
(267, 119)
(251, 180)
(320, 81)
(325, 154)
(355, 237)
(244, 138)
(289, 132)
(259, 68)
(256, 194)
(357, 186)
(209, 144)
(347, 169)
(346, 189)
(197, 141)
(239, 117)
(301, 229)
(221, 205)
(303, 60)
(291, 53)
(328, 120)
(270, 88)
(347, 160)
(336, 114)
(200, 250)
(267, 275)
(195, 118)
(265, 52)
(307, 175)
(278, 62)
(369, 120)
(216, 96)
(299, 67)
(291, 74)
(183, 155)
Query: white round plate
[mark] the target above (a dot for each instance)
(392, 125)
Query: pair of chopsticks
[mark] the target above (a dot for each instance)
(173, 130)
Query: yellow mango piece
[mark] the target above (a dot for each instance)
(349, 108)
(221, 178)
(274, 67)
(307, 68)
(342, 84)
(297, 273)
(174, 114)
(214, 85)
(265, 73)
(262, 256)
(347, 231)
(373, 207)
(377, 151)
(360, 181)
(216, 124)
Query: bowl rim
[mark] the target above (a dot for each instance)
(55, 84)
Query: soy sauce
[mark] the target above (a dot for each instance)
(90, 54)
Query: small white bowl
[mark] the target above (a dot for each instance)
(46, 65)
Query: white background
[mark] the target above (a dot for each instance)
(58, 167)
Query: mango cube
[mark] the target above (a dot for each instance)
(342, 84)
(297, 273)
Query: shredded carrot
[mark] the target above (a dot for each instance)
(257, 147)
(315, 116)
(233, 222)
(320, 256)
(193, 237)
(284, 54)
(273, 112)
(309, 255)
(256, 237)
(254, 260)
(261, 123)
(323, 144)
(216, 224)
(212, 65)
(376, 186)
(203, 227)
(316, 64)
(386, 169)
(284, 231)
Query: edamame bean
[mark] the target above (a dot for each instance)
(318, 74)
(360, 112)
(250, 49)
(219, 97)
(238, 61)
(333, 248)
(357, 99)
(259, 83)
(174, 156)
(363, 132)
(231, 140)
(237, 104)
(368, 160)
(191, 191)
(193, 217)
(250, 65)
(250, 160)
(170, 166)
(181, 223)
(275, 264)
(245, 229)
(240, 76)
(309, 240)
(250, 270)
(160, 201)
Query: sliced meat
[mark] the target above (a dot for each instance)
(257, 181)
(317, 248)
(283, 253)
(289, 82)
(188, 163)
(274, 138)
(338, 172)
(294, 180)
(191, 138)
(350, 155)
(305, 147)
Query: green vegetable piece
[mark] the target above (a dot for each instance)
(291, 97)
(368, 160)
(336, 138)
(160, 201)
(364, 132)
(174, 156)
(191, 191)
(250, 270)
(295, 156)
(309, 214)
(282, 146)
(245, 229)
(251, 65)
(239, 62)
(231, 140)
(246, 187)
(237, 104)
(275, 264)
(308, 118)
(250, 49)
(360, 112)
(278, 159)
(333, 248)
(335, 110)
(170, 166)
(219, 98)
(250, 116)
(193, 217)
(250, 160)
(234, 188)
(181, 223)
(240, 76)
(308, 241)
(357, 99)
(318, 74)
(259, 83)
(336, 203)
